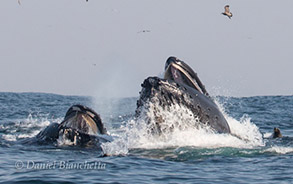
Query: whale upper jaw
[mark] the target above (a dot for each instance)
(181, 73)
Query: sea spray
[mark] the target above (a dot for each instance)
(26, 128)
(181, 128)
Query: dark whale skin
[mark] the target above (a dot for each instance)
(169, 93)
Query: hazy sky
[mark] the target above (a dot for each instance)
(76, 48)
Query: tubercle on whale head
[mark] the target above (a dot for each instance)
(167, 93)
(153, 87)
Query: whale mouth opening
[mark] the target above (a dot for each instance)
(82, 123)
(77, 129)
(83, 120)
(181, 73)
(80, 126)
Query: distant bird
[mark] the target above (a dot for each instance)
(227, 12)
(19, 2)
(144, 31)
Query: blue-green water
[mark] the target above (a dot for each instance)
(181, 157)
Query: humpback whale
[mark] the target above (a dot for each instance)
(81, 126)
(181, 86)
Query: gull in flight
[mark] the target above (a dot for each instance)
(144, 31)
(227, 12)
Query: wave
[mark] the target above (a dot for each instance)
(26, 128)
(279, 150)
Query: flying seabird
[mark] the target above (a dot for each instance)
(227, 12)
(144, 31)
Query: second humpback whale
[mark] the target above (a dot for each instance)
(81, 126)
(180, 86)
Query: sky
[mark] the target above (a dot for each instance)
(98, 49)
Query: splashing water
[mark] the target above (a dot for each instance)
(180, 129)
(279, 149)
(26, 128)
(118, 146)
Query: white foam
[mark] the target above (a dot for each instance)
(14, 137)
(116, 147)
(246, 131)
(181, 128)
(280, 149)
(31, 121)
(268, 135)
(34, 133)
(14, 133)
(63, 141)
(9, 137)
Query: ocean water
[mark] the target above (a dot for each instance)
(187, 155)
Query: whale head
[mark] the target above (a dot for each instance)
(81, 125)
(180, 87)
(178, 71)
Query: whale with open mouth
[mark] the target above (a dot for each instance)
(180, 86)
(81, 126)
